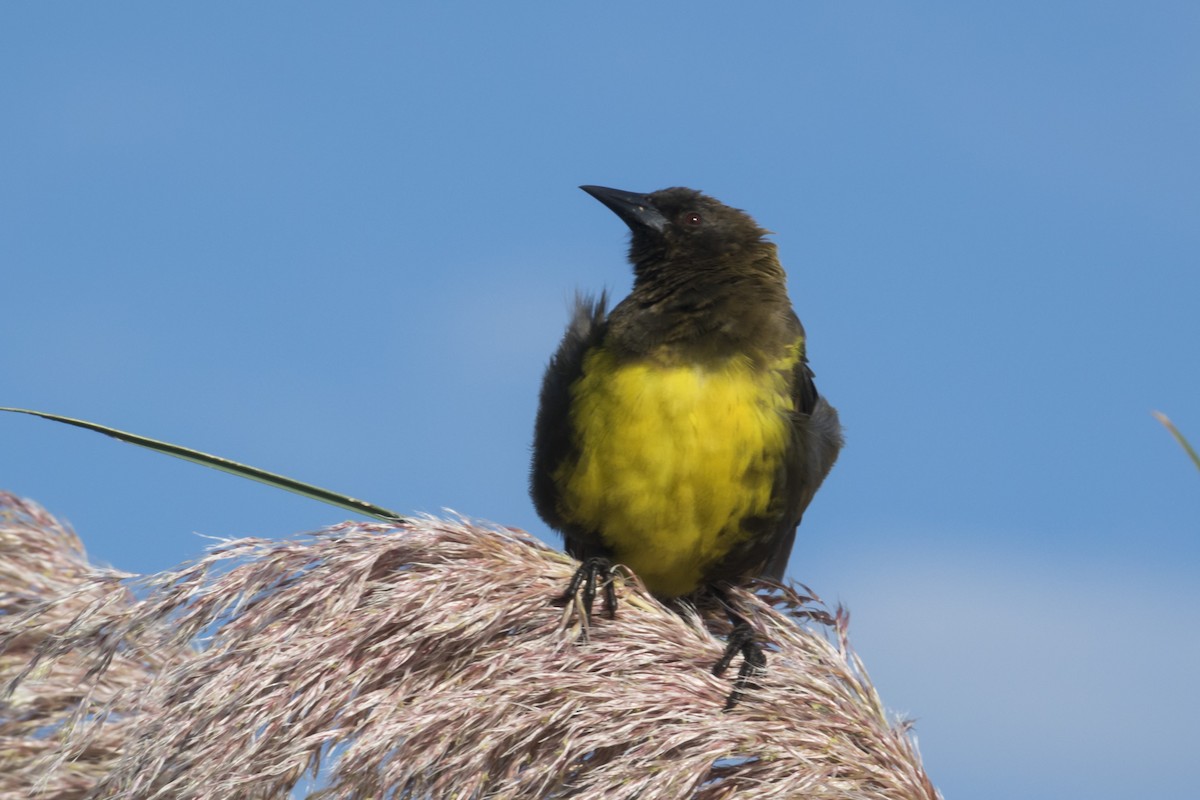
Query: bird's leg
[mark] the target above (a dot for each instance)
(582, 587)
(754, 661)
(741, 639)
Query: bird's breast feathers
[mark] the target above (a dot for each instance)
(675, 458)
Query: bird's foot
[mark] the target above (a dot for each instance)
(594, 575)
(742, 639)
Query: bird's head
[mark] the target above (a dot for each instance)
(683, 228)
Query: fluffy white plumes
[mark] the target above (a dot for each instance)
(430, 660)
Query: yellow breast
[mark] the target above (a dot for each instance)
(673, 459)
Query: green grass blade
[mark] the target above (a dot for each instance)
(1170, 426)
(232, 467)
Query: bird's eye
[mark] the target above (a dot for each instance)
(692, 218)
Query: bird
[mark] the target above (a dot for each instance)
(680, 433)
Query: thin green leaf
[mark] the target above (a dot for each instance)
(1170, 426)
(232, 467)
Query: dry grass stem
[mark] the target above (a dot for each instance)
(417, 661)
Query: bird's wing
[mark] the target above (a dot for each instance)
(816, 440)
(552, 436)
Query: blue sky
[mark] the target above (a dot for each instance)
(338, 241)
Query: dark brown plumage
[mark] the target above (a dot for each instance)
(681, 434)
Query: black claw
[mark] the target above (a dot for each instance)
(743, 640)
(610, 593)
(584, 581)
(754, 661)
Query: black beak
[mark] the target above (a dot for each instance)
(637, 210)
